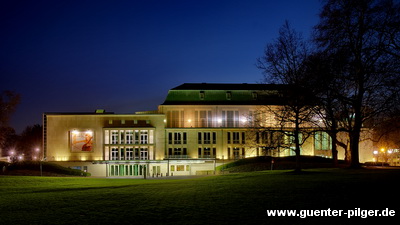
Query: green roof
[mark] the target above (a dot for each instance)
(225, 94)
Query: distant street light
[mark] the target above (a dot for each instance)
(40, 160)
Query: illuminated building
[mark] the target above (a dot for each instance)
(198, 127)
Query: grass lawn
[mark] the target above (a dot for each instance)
(227, 199)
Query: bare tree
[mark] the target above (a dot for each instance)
(283, 63)
(8, 102)
(364, 33)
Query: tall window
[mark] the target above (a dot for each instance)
(184, 138)
(207, 152)
(114, 137)
(177, 138)
(175, 118)
(236, 153)
(122, 136)
(136, 137)
(207, 138)
(143, 137)
(199, 139)
(177, 151)
(322, 141)
(236, 136)
(129, 137)
(214, 138)
(122, 154)
(129, 153)
(144, 154)
(203, 118)
(230, 118)
(114, 154)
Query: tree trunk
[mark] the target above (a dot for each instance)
(334, 149)
(297, 145)
(354, 148)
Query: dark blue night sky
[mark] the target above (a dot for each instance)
(123, 56)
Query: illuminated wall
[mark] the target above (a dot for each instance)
(81, 137)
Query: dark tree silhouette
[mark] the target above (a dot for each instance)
(365, 33)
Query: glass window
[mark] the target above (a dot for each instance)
(170, 138)
(136, 137)
(144, 154)
(214, 138)
(114, 137)
(199, 138)
(180, 168)
(207, 152)
(236, 153)
(203, 118)
(143, 137)
(236, 139)
(122, 137)
(137, 153)
(322, 141)
(122, 154)
(230, 118)
(129, 153)
(114, 154)
(207, 137)
(177, 138)
(177, 151)
(129, 136)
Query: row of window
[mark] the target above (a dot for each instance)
(178, 168)
(140, 170)
(205, 152)
(206, 138)
(128, 136)
(228, 95)
(127, 170)
(177, 138)
(129, 153)
(322, 140)
(203, 118)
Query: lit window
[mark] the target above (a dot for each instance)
(180, 168)
(143, 137)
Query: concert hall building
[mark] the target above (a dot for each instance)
(198, 127)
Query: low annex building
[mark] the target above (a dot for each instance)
(198, 127)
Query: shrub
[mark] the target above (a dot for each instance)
(46, 167)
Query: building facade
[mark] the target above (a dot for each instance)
(198, 127)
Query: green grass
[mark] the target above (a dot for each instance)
(227, 199)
